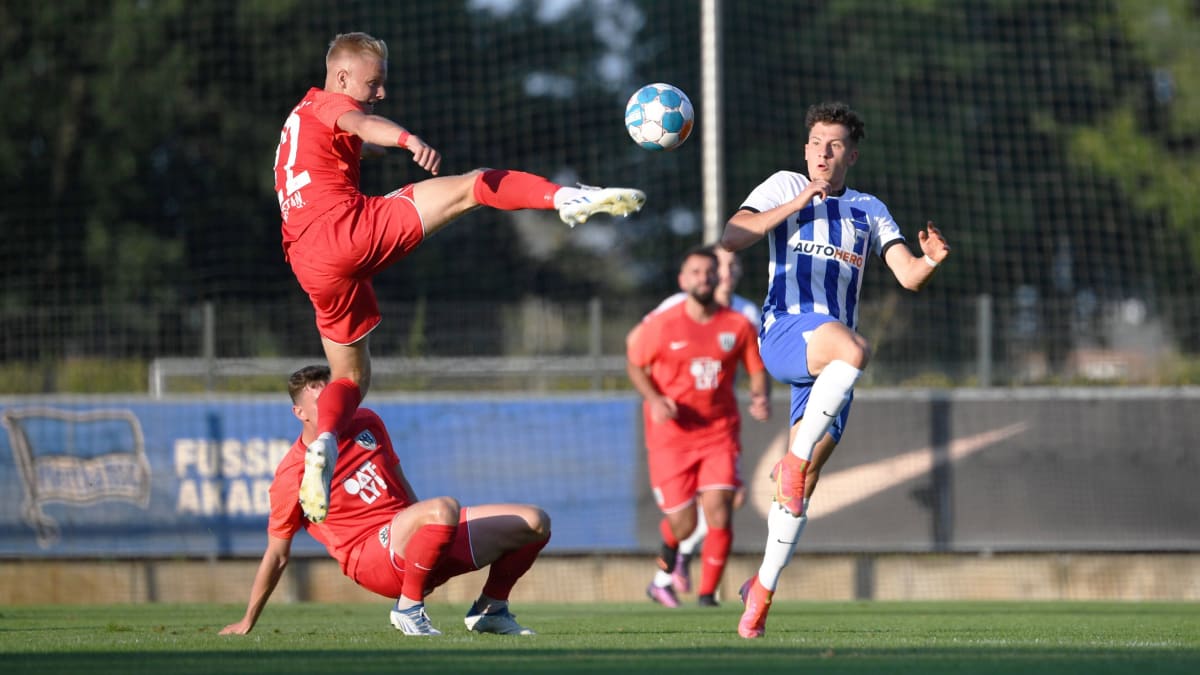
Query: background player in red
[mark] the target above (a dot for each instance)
(683, 361)
(338, 239)
(729, 273)
(386, 540)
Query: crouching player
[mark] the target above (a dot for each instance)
(386, 540)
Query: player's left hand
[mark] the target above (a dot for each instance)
(760, 407)
(933, 244)
(424, 155)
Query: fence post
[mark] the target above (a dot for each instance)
(983, 339)
(595, 340)
(208, 342)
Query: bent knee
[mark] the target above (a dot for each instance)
(539, 523)
(857, 352)
(443, 511)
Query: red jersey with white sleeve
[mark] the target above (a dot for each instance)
(366, 492)
(695, 364)
(316, 163)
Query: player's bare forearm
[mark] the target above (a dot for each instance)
(641, 381)
(270, 570)
(760, 396)
(914, 272)
(744, 229)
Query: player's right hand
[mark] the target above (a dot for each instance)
(817, 187)
(663, 409)
(240, 628)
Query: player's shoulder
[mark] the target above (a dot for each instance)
(862, 199)
(669, 310)
(668, 302)
(292, 460)
(788, 178)
(365, 426)
(327, 106)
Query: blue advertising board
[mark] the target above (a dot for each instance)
(134, 477)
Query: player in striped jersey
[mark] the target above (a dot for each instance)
(337, 239)
(819, 233)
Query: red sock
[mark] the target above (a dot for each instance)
(669, 538)
(513, 190)
(716, 547)
(423, 552)
(503, 574)
(337, 404)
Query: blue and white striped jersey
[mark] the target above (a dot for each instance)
(819, 254)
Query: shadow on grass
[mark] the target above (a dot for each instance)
(544, 657)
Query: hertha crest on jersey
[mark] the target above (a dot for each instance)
(367, 440)
(726, 340)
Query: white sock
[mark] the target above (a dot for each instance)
(829, 394)
(403, 603)
(662, 579)
(783, 531)
(688, 546)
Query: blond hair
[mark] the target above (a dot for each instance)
(357, 44)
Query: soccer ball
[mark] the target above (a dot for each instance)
(659, 117)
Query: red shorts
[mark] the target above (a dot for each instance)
(676, 475)
(337, 256)
(381, 571)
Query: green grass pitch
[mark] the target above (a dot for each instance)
(867, 637)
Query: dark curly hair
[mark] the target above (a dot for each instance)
(836, 113)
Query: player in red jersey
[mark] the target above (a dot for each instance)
(683, 361)
(337, 239)
(729, 273)
(387, 540)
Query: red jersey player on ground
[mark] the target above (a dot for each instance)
(683, 361)
(386, 540)
(338, 239)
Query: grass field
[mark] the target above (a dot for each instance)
(960, 637)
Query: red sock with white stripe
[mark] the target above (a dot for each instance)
(424, 551)
(509, 190)
(713, 554)
(504, 573)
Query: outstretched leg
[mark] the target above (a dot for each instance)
(440, 200)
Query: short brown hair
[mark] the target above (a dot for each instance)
(300, 379)
(837, 113)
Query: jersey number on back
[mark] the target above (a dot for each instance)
(290, 136)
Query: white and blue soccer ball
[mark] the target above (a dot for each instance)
(659, 117)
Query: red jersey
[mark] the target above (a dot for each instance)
(695, 365)
(316, 163)
(365, 494)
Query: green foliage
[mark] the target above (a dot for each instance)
(77, 375)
